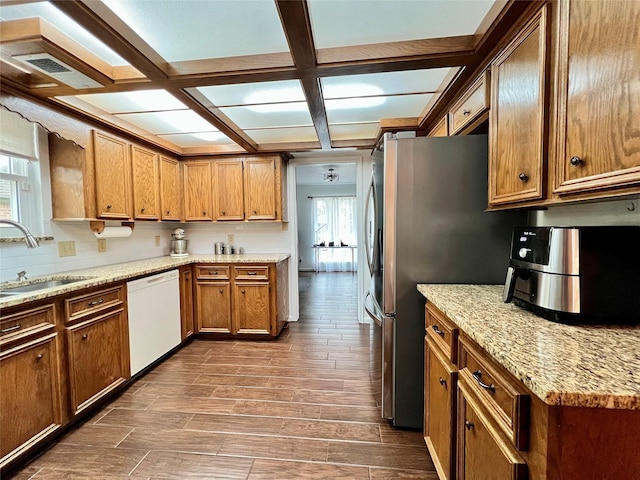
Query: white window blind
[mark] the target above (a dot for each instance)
(17, 136)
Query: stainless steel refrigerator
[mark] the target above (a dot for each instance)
(425, 223)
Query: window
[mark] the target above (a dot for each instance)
(20, 181)
(19, 195)
(13, 175)
(335, 233)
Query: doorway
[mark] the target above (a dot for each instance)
(327, 217)
(307, 173)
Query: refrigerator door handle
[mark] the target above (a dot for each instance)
(367, 240)
(369, 308)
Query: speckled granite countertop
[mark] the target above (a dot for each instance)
(586, 366)
(91, 277)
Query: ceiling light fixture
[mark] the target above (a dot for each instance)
(331, 176)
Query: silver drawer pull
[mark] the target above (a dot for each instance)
(436, 329)
(252, 273)
(11, 329)
(39, 356)
(96, 302)
(477, 375)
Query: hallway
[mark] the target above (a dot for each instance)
(301, 406)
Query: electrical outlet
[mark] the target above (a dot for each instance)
(230, 238)
(157, 239)
(102, 245)
(67, 249)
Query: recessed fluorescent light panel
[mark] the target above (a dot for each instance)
(180, 30)
(176, 121)
(254, 93)
(133, 102)
(202, 139)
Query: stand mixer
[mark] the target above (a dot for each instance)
(178, 244)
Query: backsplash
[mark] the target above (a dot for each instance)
(14, 257)
(614, 212)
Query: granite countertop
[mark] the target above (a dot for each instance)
(571, 365)
(91, 277)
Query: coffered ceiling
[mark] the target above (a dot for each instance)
(218, 76)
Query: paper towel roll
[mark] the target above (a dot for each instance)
(114, 232)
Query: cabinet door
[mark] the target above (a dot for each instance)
(113, 185)
(30, 398)
(213, 307)
(260, 189)
(186, 302)
(170, 192)
(517, 117)
(228, 189)
(482, 453)
(252, 308)
(440, 129)
(98, 358)
(598, 96)
(146, 183)
(439, 395)
(197, 191)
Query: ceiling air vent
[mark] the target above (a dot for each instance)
(59, 70)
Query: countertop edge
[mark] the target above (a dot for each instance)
(96, 276)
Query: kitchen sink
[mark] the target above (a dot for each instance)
(35, 286)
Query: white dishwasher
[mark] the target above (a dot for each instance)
(154, 318)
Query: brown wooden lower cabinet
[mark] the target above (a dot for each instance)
(213, 306)
(245, 299)
(30, 407)
(440, 408)
(98, 358)
(482, 452)
(497, 429)
(187, 324)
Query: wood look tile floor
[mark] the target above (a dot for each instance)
(301, 406)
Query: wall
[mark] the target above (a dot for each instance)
(612, 212)
(305, 218)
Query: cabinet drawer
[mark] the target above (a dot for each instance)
(212, 272)
(483, 453)
(92, 303)
(474, 102)
(442, 330)
(251, 273)
(23, 323)
(505, 400)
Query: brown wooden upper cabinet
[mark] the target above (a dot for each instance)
(228, 189)
(440, 129)
(468, 111)
(262, 199)
(598, 94)
(198, 191)
(517, 117)
(170, 194)
(113, 176)
(146, 183)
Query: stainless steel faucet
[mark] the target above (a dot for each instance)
(31, 241)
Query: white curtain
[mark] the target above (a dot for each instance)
(335, 225)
